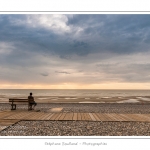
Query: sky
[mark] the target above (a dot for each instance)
(74, 51)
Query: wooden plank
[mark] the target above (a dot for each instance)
(24, 115)
(31, 116)
(142, 117)
(4, 114)
(110, 117)
(92, 117)
(87, 117)
(49, 117)
(75, 117)
(101, 117)
(136, 117)
(7, 114)
(62, 116)
(57, 118)
(146, 116)
(39, 116)
(71, 116)
(8, 122)
(68, 116)
(28, 116)
(46, 116)
(127, 117)
(18, 100)
(82, 116)
(12, 116)
(104, 117)
(131, 117)
(96, 117)
(120, 118)
(114, 117)
(54, 116)
(79, 116)
(18, 115)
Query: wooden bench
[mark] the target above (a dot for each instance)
(15, 101)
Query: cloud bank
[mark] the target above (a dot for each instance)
(74, 50)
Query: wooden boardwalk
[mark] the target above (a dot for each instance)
(29, 115)
(8, 118)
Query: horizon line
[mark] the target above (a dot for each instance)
(70, 89)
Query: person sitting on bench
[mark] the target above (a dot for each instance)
(31, 102)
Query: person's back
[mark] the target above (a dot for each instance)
(31, 101)
(31, 98)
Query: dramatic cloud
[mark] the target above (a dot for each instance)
(83, 50)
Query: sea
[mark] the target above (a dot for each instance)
(73, 92)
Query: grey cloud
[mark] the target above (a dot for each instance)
(102, 40)
(115, 33)
(126, 72)
(44, 74)
(62, 72)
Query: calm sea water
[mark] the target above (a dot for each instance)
(78, 93)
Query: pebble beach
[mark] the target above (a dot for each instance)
(81, 128)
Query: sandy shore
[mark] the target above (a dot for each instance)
(81, 128)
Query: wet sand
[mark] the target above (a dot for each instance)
(69, 99)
